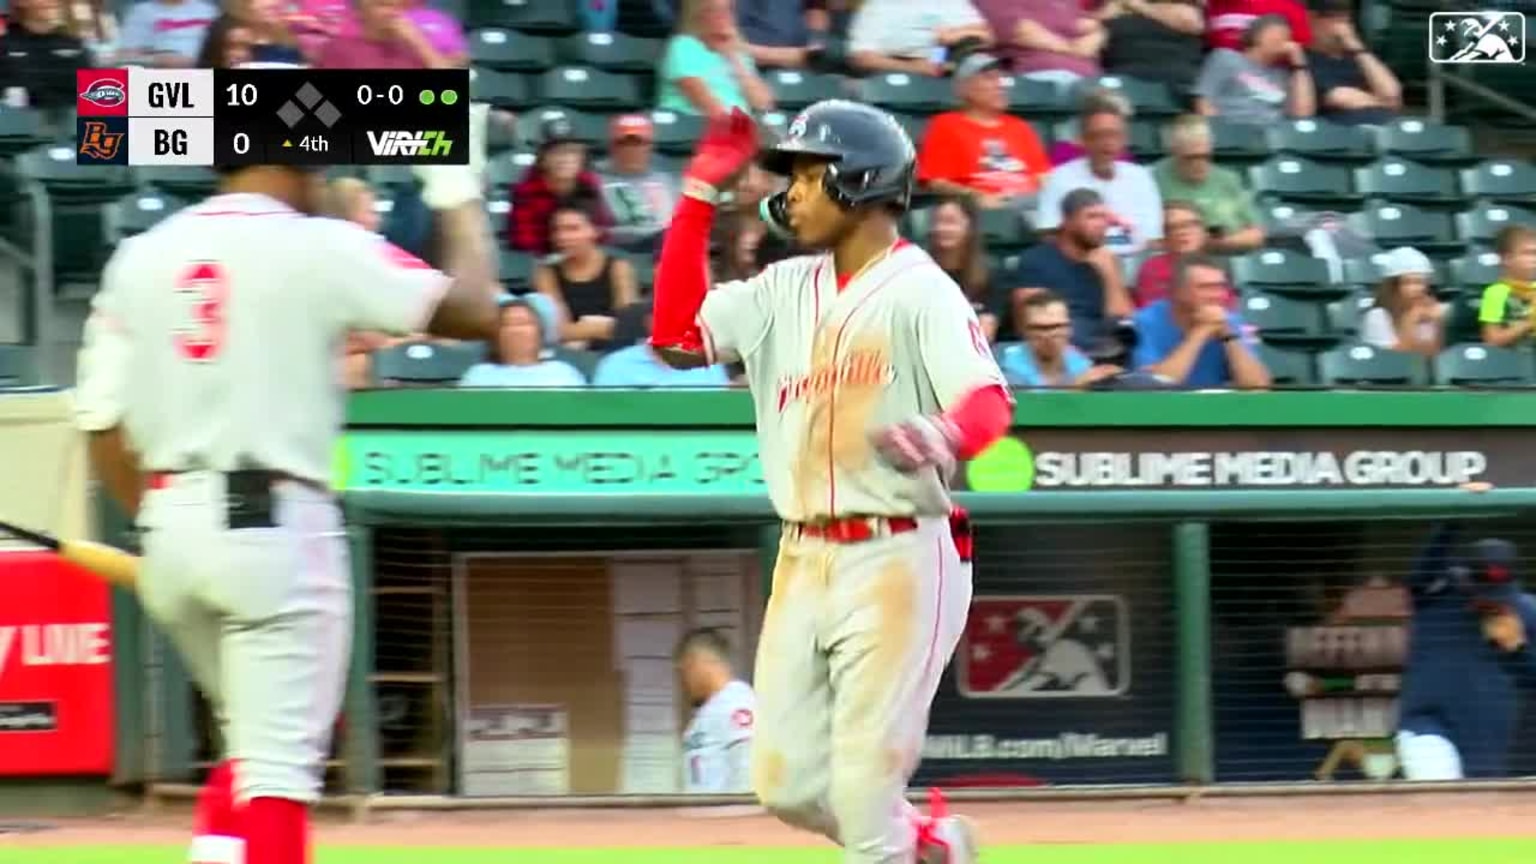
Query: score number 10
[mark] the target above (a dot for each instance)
(241, 96)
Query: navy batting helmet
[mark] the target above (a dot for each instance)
(870, 159)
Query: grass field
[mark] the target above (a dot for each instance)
(1467, 851)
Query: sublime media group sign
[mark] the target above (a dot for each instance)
(1236, 459)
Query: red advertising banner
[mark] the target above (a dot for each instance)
(56, 701)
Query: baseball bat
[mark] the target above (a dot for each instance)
(111, 564)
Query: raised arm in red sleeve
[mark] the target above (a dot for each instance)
(980, 417)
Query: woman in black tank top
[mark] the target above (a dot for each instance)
(585, 281)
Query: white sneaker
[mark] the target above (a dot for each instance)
(958, 835)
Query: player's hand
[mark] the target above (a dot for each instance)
(922, 442)
(726, 150)
(1505, 630)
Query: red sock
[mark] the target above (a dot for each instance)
(216, 829)
(276, 831)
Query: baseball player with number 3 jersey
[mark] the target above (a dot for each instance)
(210, 385)
(871, 379)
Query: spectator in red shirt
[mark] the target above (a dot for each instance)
(1184, 233)
(982, 151)
(1227, 20)
(558, 178)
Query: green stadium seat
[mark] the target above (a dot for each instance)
(775, 123)
(509, 50)
(1298, 180)
(1040, 100)
(1276, 271)
(1280, 221)
(501, 89)
(913, 124)
(1321, 141)
(75, 197)
(1147, 98)
(1424, 142)
(515, 271)
(504, 169)
(1287, 368)
(1482, 224)
(1477, 365)
(794, 89)
(1367, 366)
(1401, 181)
(588, 88)
(21, 129)
(911, 94)
(1282, 321)
(676, 133)
(1241, 143)
(589, 129)
(1344, 316)
(534, 16)
(1474, 272)
(18, 366)
(1145, 140)
(669, 164)
(615, 52)
(498, 205)
(136, 213)
(188, 182)
(1391, 224)
(1361, 274)
(425, 363)
(1503, 181)
(584, 361)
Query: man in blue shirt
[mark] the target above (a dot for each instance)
(1190, 339)
(1046, 358)
(637, 366)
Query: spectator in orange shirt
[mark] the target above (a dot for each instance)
(981, 150)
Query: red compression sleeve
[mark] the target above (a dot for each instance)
(980, 417)
(682, 277)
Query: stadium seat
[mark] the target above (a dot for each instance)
(1288, 368)
(913, 124)
(515, 271)
(1039, 100)
(1241, 143)
(1477, 365)
(1402, 181)
(1294, 179)
(1405, 225)
(1282, 321)
(584, 361)
(1362, 274)
(1344, 316)
(1366, 366)
(1425, 142)
(74, 195)
(1146, 140)
(498, 204)
(793, 89)
(501, 89)
(1276, 271)
(1462, 307)
(1481, 224)
(425, 363)
(585, 87)
(1320, 140)
(1148, 98)
(676, 133)
(912, 94)
(1282, 222)
(774, 123)
(534, 16)
(589, 129)
(387, 178)
(504, 169)
(18, 366)
(1502, 181)
(21, 129)
(615, 52)
(1474, 272)
(188, 182)
(509, 51)
(136, 213)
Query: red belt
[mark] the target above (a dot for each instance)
(855, 529)
(161, 479)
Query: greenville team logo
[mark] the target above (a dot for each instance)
(1477, 37)
(1006, 466)
(105, 93)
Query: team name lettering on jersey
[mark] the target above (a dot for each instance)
(859, 369)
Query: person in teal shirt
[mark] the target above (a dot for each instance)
(706, 68)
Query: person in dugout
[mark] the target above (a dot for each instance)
(1468, 656)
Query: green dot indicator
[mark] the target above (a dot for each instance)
(426, 97)
(449, 97)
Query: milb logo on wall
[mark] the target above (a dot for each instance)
(1042, 646)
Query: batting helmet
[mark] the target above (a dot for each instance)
(870, 159)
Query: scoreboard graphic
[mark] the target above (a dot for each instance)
(234, 117)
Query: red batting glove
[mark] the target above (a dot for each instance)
(728, 146)
(922, 442)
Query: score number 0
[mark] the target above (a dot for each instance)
(241, 96)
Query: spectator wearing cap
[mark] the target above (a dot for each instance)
(1184, 233)
(1468, 656)
(981, 150)
(1054, 40)
(385, 35)
(1228, 21)
(165, 33)
(1127, 189)
(1264, 83)
(40, 55)
(1154, 40)
(918, 38)
(1190, 173)
(1353, 85)
(637, 366)
(1065, 265)
(1191, 339)
(523, 351)
(1406, 315)
(707, 68)
(640, 198)
(785, 34)
(1047, 357)
(584, 281)
(559, 177)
